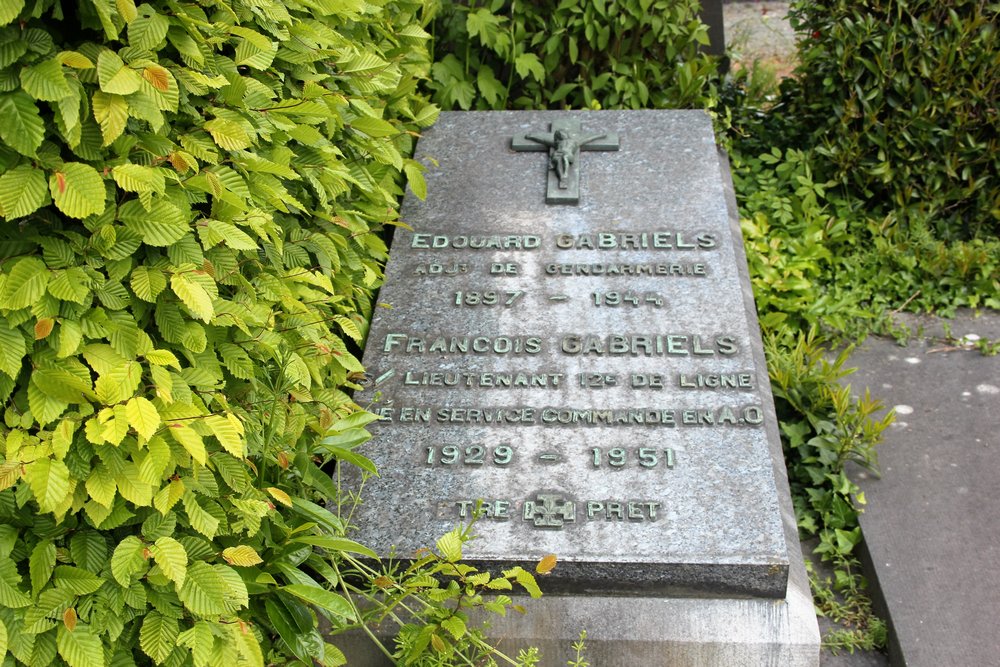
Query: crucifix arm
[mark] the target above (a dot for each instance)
(592, 137)
(540, 139)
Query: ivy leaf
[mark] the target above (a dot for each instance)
(193, 295)
(49, 482)
(528, 63)
(80, 648)
(142, 416)
(115, 76)
(77, 189)
(242, 556)
(22, 128)
(46, 81)
(22, 191)
(170, 555)
(158, 636)
(128, 559)
(25, 284)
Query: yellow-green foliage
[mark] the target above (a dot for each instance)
(192, 196)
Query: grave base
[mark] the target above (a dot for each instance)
(651, 632)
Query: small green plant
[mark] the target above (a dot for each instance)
(844, 600)
(623, 54)
(898, 96)
(579, 647)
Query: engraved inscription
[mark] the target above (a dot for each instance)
(469, 455)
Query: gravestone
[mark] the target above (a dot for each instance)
(569, 350)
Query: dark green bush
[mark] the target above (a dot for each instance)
(623, 54)
(900, 98)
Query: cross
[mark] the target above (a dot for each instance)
(549, 511)
(563, 141)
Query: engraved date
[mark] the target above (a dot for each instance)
(471, 455)
(488, 298)
(644, 457)
(615, 299)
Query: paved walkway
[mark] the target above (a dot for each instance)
(932, 524)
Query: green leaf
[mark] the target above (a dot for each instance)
(70, 285)
(158, 636)
(170, 555)
(46, 81)
(22, 128)
(336, 544)
(193, 295)
(148, 29)
(128, 560)
(189, 439)
(101, 485)
(49, 482)
(455, 626)
(9, 10)
(228, 134)
(142, 416)
(415, 179)
(22, 191)
(242, 556)
(25, 283)
(77, 580)
(10, 595)
(118, 384)
(332, 602)
(199, 518)
(147, 283)
(77, 189)
(137, 178)
(229, 433)
(450, 546)
(80, 648)
(43, 559)
(89, 550)
(374, 127)
(111, 112)
(204, 590)
(12, 347)
(161, 226)
(115, 76)
(3, 640)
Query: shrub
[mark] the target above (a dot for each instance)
(622, 54)
(192, 197)
(900, 98)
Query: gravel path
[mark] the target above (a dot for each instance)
(759, 32)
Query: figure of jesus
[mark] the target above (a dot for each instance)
(563, 151)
